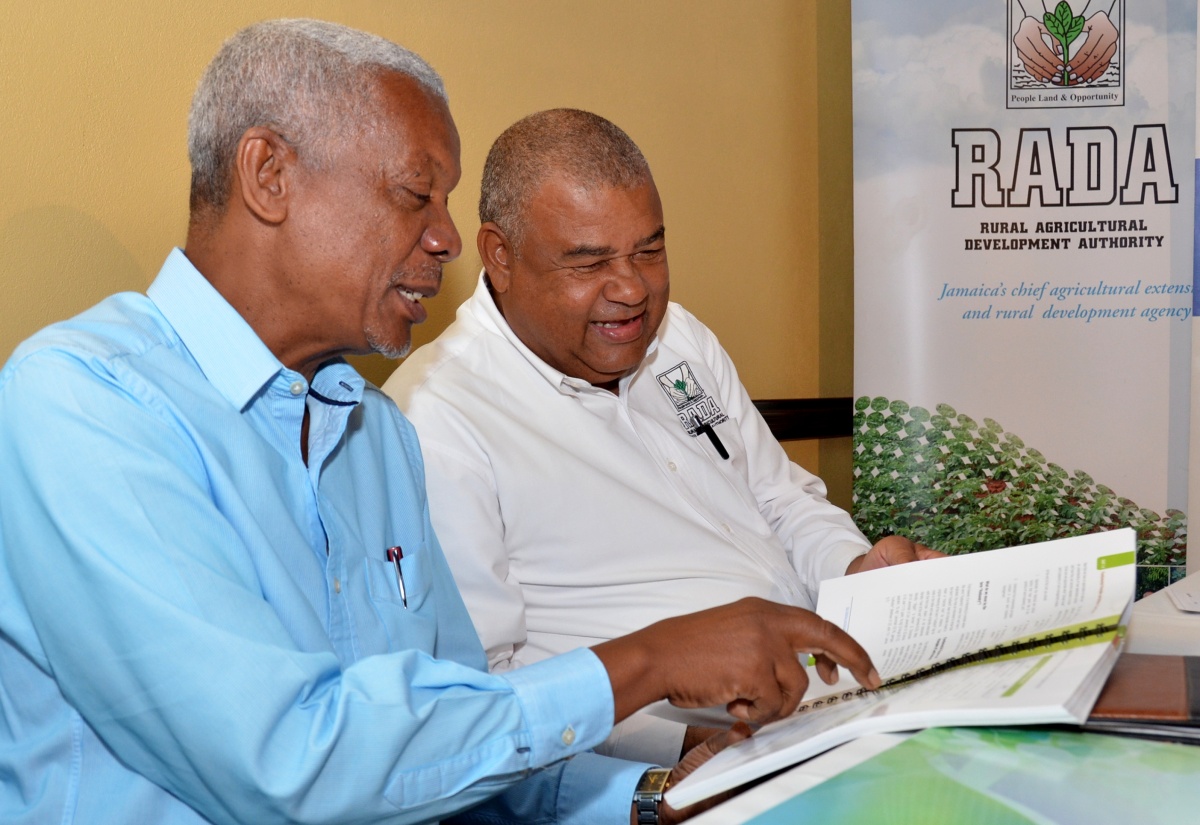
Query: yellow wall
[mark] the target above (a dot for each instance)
(723, 96)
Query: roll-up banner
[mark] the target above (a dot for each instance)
(1024, 201)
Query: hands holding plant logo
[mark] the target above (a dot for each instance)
(1062, 27)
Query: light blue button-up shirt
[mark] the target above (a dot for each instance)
(197, 626)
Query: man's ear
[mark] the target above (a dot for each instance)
(497, 255)
(264, 168)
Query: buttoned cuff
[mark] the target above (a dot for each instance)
(567, 703)
(598, 790)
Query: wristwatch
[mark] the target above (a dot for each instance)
(649, 793)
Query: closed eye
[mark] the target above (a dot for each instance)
(590, 268)
(642, 256)
(649, 256)
(410, 197)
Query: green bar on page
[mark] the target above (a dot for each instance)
(1116, 560)
(1029, 674)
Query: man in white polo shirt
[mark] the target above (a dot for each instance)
(593, 462)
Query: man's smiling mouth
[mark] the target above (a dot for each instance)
(619, 323)
(621, 331)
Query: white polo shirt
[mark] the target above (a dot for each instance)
(571, 515)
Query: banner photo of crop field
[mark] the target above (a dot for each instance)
(1024, 190)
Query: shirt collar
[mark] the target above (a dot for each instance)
(483, 307)
(228, 351)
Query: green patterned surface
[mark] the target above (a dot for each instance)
(1007, 776)
(960, 486)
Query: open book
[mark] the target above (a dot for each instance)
(1023, 635)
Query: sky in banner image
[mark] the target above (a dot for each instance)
(1023, 264)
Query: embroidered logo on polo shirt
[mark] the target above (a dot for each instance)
(693, 406)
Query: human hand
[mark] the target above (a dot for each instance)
(694, 758)
(695, 735)
(741, 655)
(1096, 53)
(1042, 62)
(891, 550)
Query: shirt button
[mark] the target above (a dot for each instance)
(726, 528)
(337, 586)
(297, 388)
(568, 736)
(671, 466)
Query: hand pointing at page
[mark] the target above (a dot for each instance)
(742, 655)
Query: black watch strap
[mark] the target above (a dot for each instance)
(649, 794)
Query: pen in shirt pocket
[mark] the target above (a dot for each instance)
(394, 554)
(703, 427)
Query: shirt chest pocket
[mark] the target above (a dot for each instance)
(398, 593)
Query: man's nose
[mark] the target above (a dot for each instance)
(441, 238)
(626, 284)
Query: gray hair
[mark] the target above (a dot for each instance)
(308, 80)
(584, 147)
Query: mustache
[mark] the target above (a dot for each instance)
(426, 278)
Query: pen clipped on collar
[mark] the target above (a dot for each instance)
(706, 428)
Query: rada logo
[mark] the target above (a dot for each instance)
(1068, 56)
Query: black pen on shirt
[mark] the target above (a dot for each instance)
(706, 428)
(394, 554)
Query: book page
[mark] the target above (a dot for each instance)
(911, 616)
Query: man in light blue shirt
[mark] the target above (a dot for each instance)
(221, 599)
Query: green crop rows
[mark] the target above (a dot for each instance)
(957, 486)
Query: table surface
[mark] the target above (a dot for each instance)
(766, 796)
(1157, 626)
